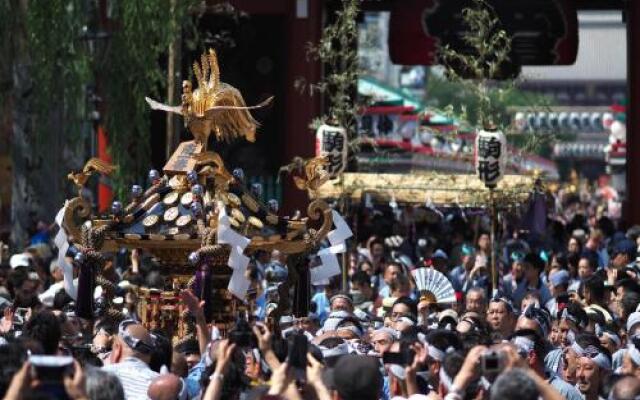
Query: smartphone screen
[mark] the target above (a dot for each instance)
(393, 358)
(297, 357)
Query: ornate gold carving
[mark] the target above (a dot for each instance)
(90, 167)
(78, 210)
(214, 107)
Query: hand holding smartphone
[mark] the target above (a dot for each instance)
(297, 356)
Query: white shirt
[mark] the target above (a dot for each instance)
(135, 376)
(48, 295)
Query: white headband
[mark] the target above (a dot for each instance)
(599, 359)
(438, 354)
(615, 338)
(435, 353)
(524, 345)
(445, 379)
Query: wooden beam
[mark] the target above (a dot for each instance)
(632, 211)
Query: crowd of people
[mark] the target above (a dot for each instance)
(564, 322)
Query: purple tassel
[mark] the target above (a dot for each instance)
(202, 289)
(86, 283)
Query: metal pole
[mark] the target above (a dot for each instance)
(171, 88)
(494, 271)
(344, 209)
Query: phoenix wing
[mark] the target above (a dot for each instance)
(156, 105)
(230, 114)
(98, 165)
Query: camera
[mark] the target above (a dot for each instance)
(242, 335)
(492, 363)
(51, 369)
(404, 357)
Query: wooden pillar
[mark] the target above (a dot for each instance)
(632, 210)
(304, 25)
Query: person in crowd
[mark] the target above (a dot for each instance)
(594, 365)
(587, 265)
(501, 317)
(532, 348)
(533, 267)
(476, 301)
(362, 292)
(167, 387)
(391, 271)
(130, 357)
(321, 298)
(459, 274)
(102, 385)
(593, 293)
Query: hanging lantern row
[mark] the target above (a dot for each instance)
(563, 121)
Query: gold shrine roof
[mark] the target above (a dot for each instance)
(179, 210)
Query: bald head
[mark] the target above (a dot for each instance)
(139, 332)
(165, 387)
(132, 341)
(627, 388)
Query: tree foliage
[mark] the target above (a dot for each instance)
(129, 66)
(475, 88)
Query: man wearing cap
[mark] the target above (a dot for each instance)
(382, 339)
(536, 319)
(130, 358)
(440, 261)
(21, 260)
(558, 285)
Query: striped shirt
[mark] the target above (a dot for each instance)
(135, 376)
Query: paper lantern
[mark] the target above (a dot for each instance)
(520, 121)
(618, 132)
(607, 120)
(331, 142)
(408, 129)
(491, 156)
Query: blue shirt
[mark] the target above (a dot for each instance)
(565, 389)
(524, 288)
(458, 277)
(323, 305)
(193, 378)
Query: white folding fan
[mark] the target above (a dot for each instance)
(433, 286)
